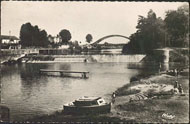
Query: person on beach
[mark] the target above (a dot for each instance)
(180, 89)
(178, 71)
(160, 66)
(85, 60)
(113, 97)
(175, 72)
(176, 85)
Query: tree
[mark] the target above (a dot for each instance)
(150, 34)
(25, 35)
(177, 26)
(89, 38)
(33, 36)
(65, 36)
(43, 38)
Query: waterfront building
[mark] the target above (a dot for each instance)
(54, 39)
(9, 39)
(10, 42)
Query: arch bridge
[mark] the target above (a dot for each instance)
(103, 38)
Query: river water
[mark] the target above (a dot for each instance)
(27, 93)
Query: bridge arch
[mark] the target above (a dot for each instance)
(115, 35)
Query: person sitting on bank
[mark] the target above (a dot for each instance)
(176, 90)
(113, 97)
(180, 89)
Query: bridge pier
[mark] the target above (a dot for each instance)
(165, 52)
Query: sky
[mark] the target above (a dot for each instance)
(80, 18)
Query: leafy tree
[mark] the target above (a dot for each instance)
(25, 35)
(33, 36)
(177, 25)
(150, 34)
(43, 38)
(89, 38)
(65, 36)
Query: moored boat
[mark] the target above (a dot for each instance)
(87, 105)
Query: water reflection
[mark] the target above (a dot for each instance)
(29, 72)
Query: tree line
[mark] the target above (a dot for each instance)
(154, 32)
(32, 36)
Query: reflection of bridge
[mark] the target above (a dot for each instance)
(103, 38)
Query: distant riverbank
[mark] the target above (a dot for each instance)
(156, 100)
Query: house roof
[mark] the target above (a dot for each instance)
(8, 37)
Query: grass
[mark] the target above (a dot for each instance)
(125, 89)
(60, 117)
(151, 110)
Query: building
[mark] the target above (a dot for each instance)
(9, 39)
(9, 42)
(54, 39)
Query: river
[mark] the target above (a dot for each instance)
(28, 94)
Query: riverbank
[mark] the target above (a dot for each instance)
(146, 100)
(156, 100)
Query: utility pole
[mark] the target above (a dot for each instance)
(10, 36)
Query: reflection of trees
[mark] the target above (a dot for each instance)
(31, 70)
(64, 66)
(8, 70)
(30, 79)
(144, 69)
(30, 73)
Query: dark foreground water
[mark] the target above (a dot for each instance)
(28, 94)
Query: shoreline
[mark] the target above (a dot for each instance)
(141, 108)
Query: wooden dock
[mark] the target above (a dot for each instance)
(84, 73)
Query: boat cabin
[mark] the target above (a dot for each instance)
(89, 101)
